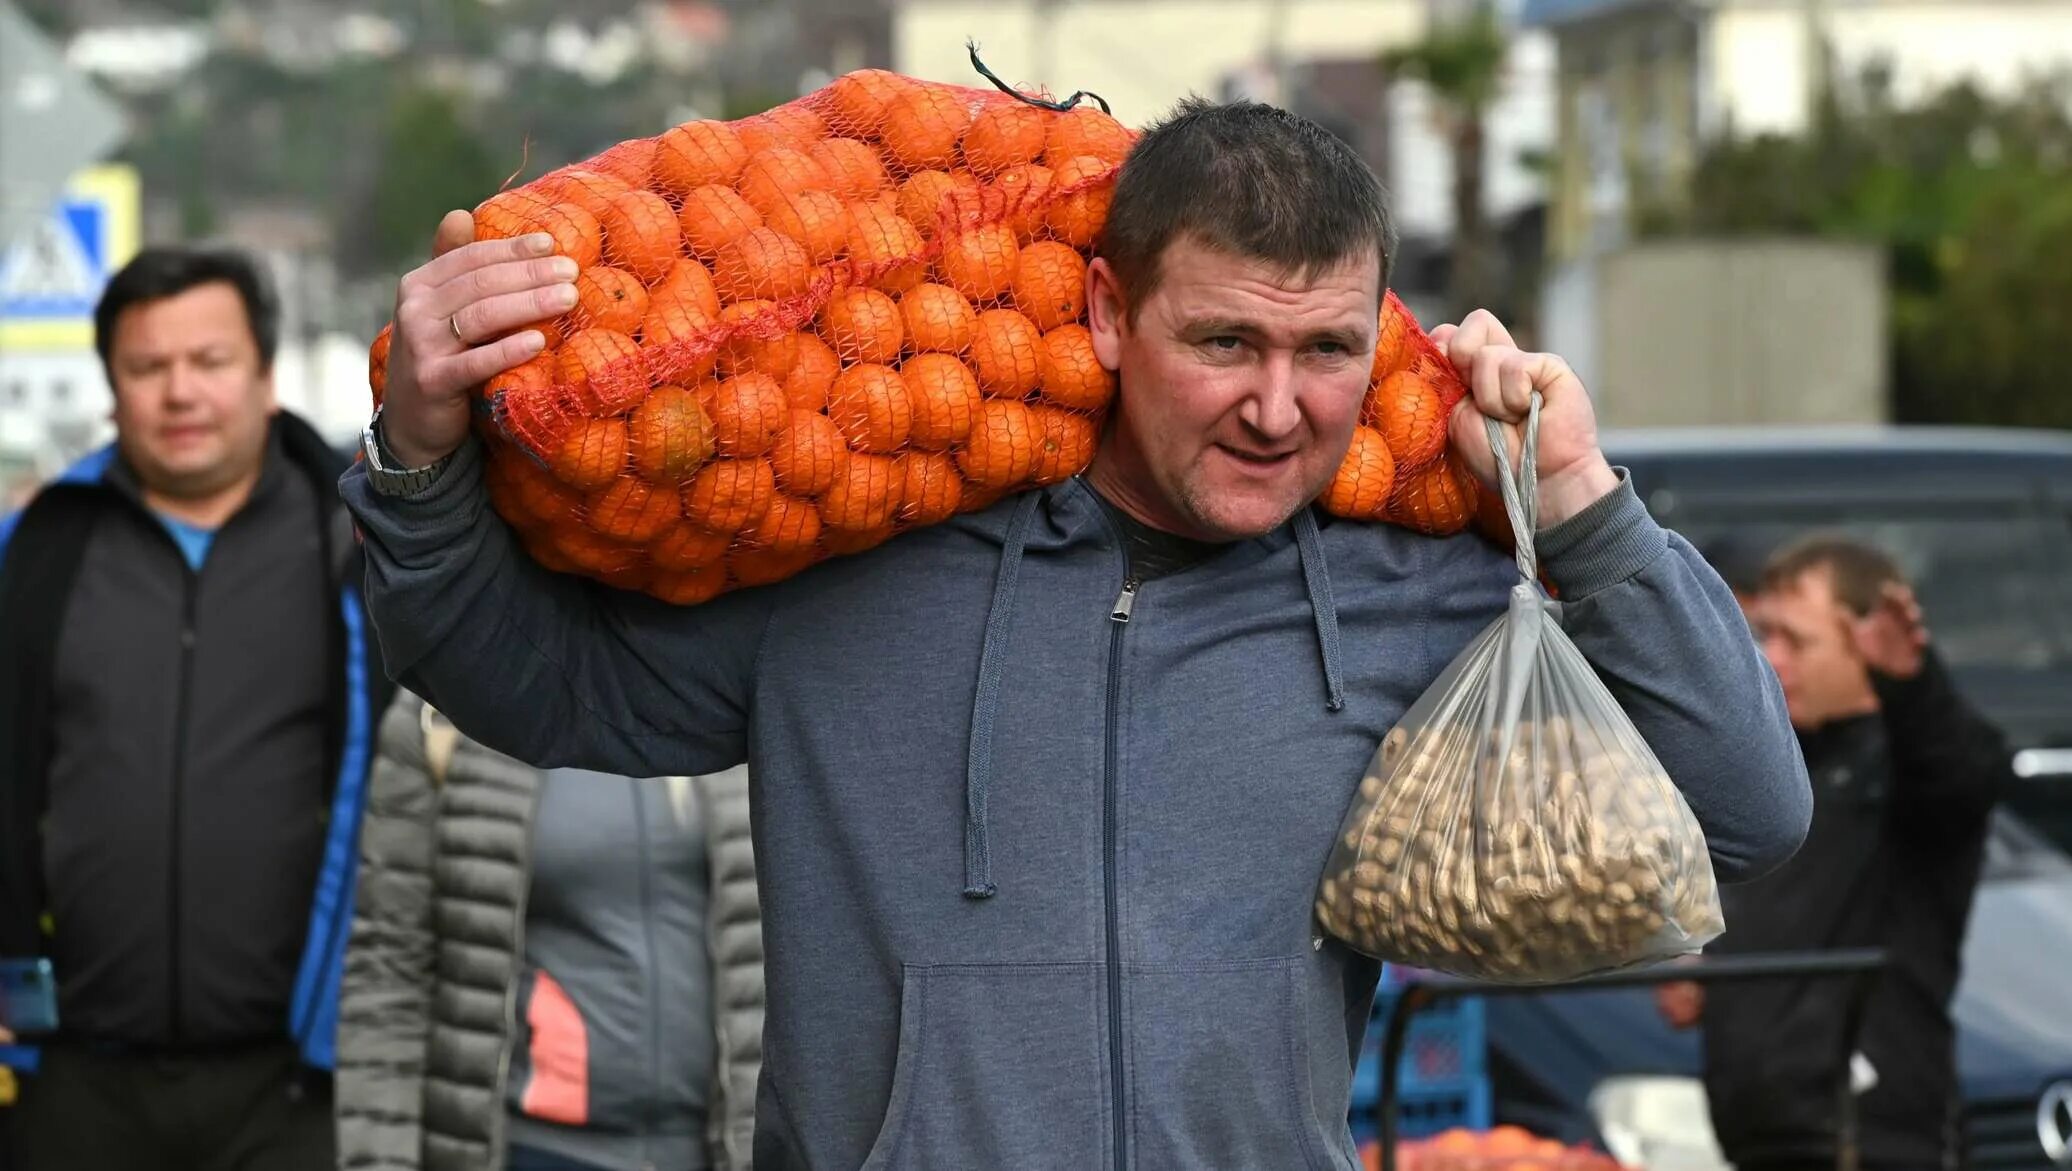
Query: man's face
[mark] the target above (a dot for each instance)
(1240, 388)
(1805, 632)
(192, 401)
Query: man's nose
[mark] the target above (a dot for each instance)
(1272, 410)
(182, 384)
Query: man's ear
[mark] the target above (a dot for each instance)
(1106, 313)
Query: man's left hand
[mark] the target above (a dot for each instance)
(1893, 637)
(1501, 378)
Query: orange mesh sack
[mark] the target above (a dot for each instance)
(800, 333)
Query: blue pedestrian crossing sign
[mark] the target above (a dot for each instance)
(52, 275)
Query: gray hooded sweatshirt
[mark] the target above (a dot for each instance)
(1036, 881)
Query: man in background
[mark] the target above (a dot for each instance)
(1905, 774)
(186, 699)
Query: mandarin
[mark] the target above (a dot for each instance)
(1077, 218)
(1086, 132)
(610, 298)
(853, 168)
(863, 325)
(1359, 489)
(1050, 284)
(632, 510)
(728, 495)
(591, 455)
(641, 234)
(686, 547)
(812, 372)
(807, 453)
(930, 488)
(923, 126)
(670, 436)
(689, 588)
(1070, 373)
(817, 220)
(795, 126)
(859, 99)
(1006, 353)
(945, 399)
(1411, 415)
(689, 281)
(603, 370)
(921, 197)
(789, 526)
(747, 412)
(1002, 450)
(864, 494)
(712, 218)
(774, 176)
(1065, 443)
(938, 318)
(980, 261)
(765, 264)
(870, 406)
(886, 252)
(698, 154)
(1005, 134)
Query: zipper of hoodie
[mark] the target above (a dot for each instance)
(1119, 618)
(649, 977)
(182, 701)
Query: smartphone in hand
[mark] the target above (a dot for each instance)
(28, 997)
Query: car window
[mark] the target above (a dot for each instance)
(1992, 579)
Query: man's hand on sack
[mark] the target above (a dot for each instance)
(454, 317)
(1681, 1003)
(1893, 637)
(1501, 377)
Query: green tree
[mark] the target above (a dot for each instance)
(1968, 195)
(431, 162)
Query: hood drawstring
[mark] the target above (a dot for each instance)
(978, 768)
(1317, 575)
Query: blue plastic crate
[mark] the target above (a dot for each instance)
(1442, 1106)
(1444, 1043)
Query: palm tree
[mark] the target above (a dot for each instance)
(1461, 60)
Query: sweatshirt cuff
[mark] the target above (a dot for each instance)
(428, 517)
(1603, 545)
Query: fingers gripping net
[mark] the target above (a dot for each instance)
(800, 333)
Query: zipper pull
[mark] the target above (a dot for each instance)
(1125, 601)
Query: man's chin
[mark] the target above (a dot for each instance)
(1241, 517)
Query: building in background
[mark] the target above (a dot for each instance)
(1643, 88)
(1643, 85)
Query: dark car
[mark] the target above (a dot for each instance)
(1981, 521)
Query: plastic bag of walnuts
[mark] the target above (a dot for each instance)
(1514, 826)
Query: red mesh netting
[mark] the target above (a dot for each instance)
(800, 333)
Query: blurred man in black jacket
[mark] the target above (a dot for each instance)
(1905, 775)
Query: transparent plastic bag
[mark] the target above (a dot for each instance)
(1514, 826)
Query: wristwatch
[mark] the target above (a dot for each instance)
(389, 480)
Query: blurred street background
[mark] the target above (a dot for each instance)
(1812, 257)
(1855, 211)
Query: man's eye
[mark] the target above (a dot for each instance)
(1331, 349)
(1226, 343)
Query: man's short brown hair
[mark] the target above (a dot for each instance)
(1857, 572)
(1248, 180)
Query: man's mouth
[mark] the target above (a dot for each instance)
(1263, 460)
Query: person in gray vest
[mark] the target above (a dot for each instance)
(549, 970)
